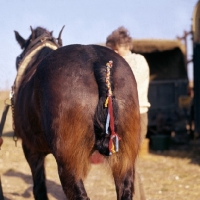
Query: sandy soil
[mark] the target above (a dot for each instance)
(173, 174)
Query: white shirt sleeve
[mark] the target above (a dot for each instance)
(141, 72)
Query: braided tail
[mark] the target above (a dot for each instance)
(107, 140)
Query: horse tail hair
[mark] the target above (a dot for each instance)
(102, 138)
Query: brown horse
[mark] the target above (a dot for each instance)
(59, 108)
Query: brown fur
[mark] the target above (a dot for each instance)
(59, 110)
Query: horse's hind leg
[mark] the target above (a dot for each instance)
(36, 163)
(124, 185)
(73, 189)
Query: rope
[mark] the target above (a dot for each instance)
(15, 138)
(114, 138)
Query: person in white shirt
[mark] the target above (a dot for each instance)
(121, 42)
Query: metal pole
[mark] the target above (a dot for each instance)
(1, 191)
(3, 118)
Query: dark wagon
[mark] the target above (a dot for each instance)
(196, 62)
(168, 89)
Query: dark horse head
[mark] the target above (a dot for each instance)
(71, 102)
(37, 35)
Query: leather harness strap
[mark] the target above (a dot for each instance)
(43, 41)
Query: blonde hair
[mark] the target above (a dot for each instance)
(119, 37)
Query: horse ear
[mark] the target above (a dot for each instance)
(20, 39)
(51, 33)
(33, 34)
(59, 36)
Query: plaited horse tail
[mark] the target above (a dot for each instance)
(107, 140)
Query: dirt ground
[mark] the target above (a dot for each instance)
(173, 174)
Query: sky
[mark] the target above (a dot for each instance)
(89, 22)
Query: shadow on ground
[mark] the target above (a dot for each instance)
(57, 192)
(189, 150)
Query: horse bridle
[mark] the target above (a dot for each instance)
(34, 44)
